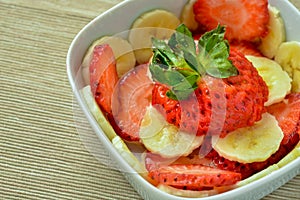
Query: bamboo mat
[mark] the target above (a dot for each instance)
(42, 150)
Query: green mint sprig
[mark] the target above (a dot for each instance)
(177, 63)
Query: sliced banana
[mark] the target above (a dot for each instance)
(296, 81)
(288, 56)
(96, 112)
(269, 44)
(124, 151)
(156, 23)
(165, 139)
(122, 50)
(251, 144)
(85, 71)
(277, 80)
(188, 17)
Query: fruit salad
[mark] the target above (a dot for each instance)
(212, 97)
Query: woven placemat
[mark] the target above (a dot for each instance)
(43, 148)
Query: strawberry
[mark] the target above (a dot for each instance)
(193, 176)
(241, 99)
(154, 161)
(131, 97)
(103, 76)
(287, 114)
(244, 19)
(246, 48)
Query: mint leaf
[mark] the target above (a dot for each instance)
(182, 42)
(177, 64)
(163, 53)
(183, 89)
(214, 53)
(169, 76)
(169, 67)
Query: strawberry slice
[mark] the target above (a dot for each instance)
(193, 176)
(244, 19)
(154, 161)
(247, 48)
(131, 97)
(287, 114)
(103, 76)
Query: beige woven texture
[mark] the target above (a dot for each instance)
(44, 148)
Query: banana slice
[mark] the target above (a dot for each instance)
(156, 23)
(288, 56)
(165, 139)
(124, 151)
(270, 44)
(277, 80)
(96, 112)
(122, 50)
(188, 17)
(251, 144)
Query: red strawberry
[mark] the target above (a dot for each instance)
(244, 19)
(103, 76)
(222, 105)
(155, 161)
(193, 176)
(197, 36)
(287, 114)
(131, 97)
(246, 48)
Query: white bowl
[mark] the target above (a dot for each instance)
(114, 21)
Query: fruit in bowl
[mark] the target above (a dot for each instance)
(209, 93)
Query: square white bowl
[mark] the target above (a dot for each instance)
(119, 19)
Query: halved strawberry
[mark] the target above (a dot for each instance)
(287, 114)
(131, 97)
(222, 105)
(103, 76)
(244, 19)
(193, 176)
